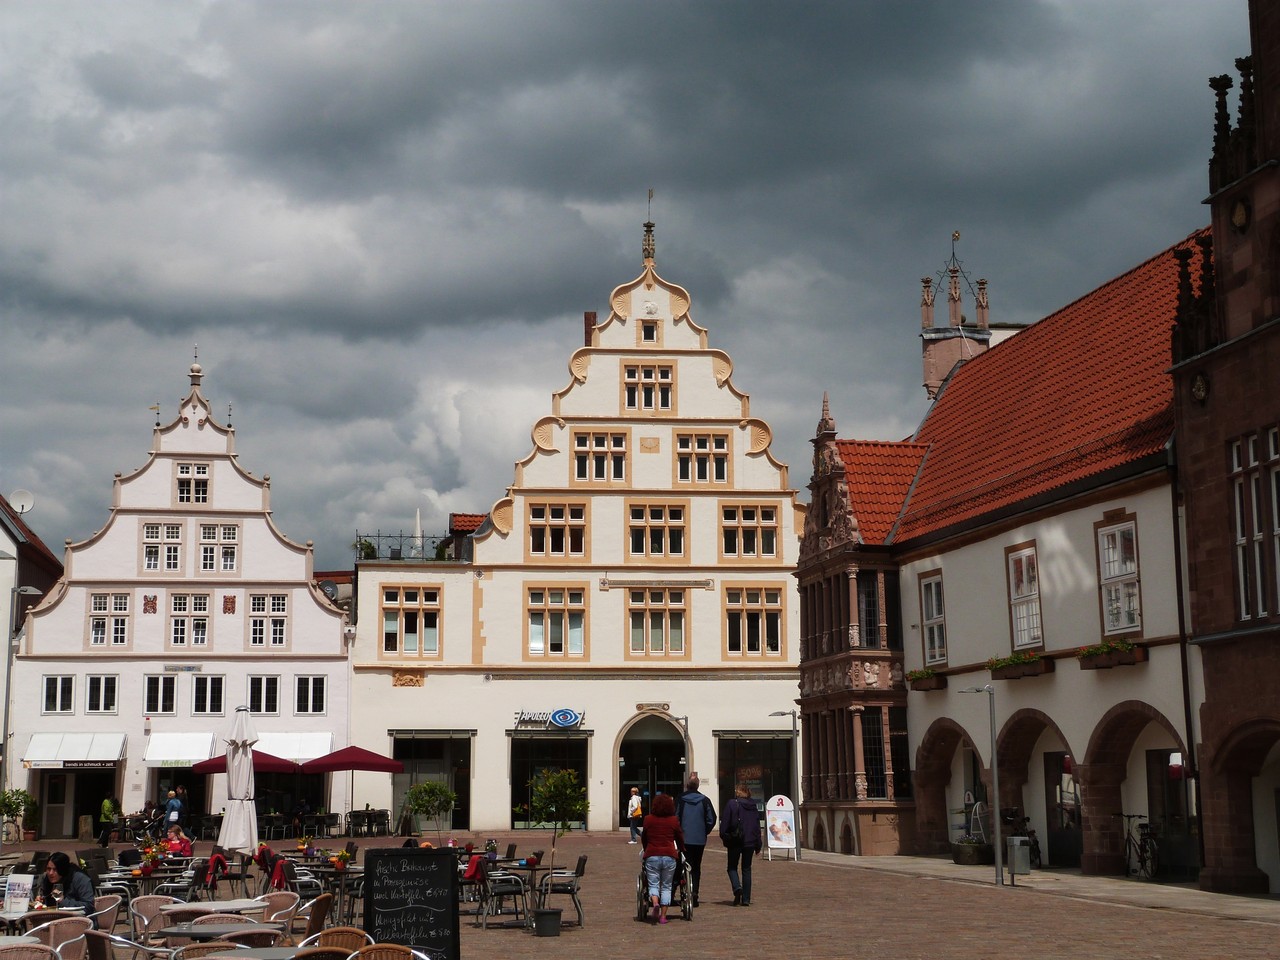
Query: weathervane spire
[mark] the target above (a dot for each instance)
(648, 230)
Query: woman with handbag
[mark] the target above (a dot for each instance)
(740, 832)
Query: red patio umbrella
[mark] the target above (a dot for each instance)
(353, 758)
(262, 763)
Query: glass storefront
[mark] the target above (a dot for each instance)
(531, 755)
(442, 756)
(760, 760)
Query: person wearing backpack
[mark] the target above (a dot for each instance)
(740, 832)
(697, 817)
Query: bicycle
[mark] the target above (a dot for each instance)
(1141, 853)
(12, 832)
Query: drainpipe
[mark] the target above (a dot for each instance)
(1183, 644)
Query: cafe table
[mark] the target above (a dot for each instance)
(337, 881)
(211, 931)
(13, 939)
(257, 953)
(243, 905)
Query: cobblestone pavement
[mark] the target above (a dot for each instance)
(831, 906)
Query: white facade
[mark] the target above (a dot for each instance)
(636, 575)
(187, 603)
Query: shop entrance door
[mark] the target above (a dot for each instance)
(652, 759)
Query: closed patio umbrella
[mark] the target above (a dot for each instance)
(240, 824)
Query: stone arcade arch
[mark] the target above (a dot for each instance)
(932, 775)
(1101, 774)
(1228, 813)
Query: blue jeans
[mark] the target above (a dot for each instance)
(746, 853)
(660, 871)
(636, 823)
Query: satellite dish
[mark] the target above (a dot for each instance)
(329, 589)
(22, 500)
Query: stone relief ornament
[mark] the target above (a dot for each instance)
(228, 603)
(543, 431)
(149, 603)
(408, 678)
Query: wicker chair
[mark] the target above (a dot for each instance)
(384, 951)
(146, 918)
(106, 911)
(256, 936)
(221, 918)
(322, 953)
(28, 951)
(315, 913)
(59, 933)
(193, 950)
(350, 938)
(281, 905)
(103, 946)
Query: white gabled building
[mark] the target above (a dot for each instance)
(626, 609)
(187, 603)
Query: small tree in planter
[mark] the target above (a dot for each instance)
(431, 799)
(559, 799)
(19, 803)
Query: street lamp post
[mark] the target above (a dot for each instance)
(795, 768)
(990, 691)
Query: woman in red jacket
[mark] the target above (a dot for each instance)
(663, 843)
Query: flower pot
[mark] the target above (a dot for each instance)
(146, 869)
(1114, 658)
(1016, 671)
(28, 836)
(546, 922)
(973, 854)
(936, 682)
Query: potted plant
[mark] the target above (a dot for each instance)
(340, 860)
(430, 799)
(968, 850)
(926, 679)
(11, 805)
(1023, 663)
(1110, 653)
(556, 797)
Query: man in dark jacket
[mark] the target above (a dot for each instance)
(740, 831)
(697, 817)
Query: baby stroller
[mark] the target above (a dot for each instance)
(681, 891)
(145, 831)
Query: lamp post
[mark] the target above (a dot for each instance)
(795, 768)
(14, 593)
(990, 691)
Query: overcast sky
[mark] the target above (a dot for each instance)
(381, 222)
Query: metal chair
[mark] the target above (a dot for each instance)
(315, 913)
(145, 917)
(511, 851)
(106, 911)
(384, 951)
(193, 950)
(101, 945)
(567, 882)
(281, 905)
(28, 951)
(496, 888)
(322, 953)
(190, 885)
(61, 934)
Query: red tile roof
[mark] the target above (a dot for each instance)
(1082, 392)
(24, 532)
(878, 475)
(466, 522)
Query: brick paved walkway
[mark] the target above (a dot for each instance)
(830, 906)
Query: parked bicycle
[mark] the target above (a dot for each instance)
(1016, 825)
(1141, 852)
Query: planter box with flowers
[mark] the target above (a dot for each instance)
(970, 851)
(1019, 665)
(1110, 653)
(926, 679)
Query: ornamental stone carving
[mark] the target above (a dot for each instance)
(722, 367)
(502, 514)
(761, 436)
(408, 678)
(578, 365)
(543, 431)
(149, 603)
(228, 603)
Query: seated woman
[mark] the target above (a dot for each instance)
(177, 844)
(76, 885)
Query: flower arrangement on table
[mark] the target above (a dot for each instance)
(340, 859)
(306, 843)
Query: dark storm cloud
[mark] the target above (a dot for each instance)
(382, 221)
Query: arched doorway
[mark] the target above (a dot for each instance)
(653, 759)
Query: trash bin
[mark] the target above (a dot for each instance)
(1018, 859)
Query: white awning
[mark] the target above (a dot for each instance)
(73, 751)
(295, 746)
(178, 749)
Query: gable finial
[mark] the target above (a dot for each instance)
(155, 408)
(648, 241)
(228, 413)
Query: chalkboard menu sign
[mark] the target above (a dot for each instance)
(411, 898)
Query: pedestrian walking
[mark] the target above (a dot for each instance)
(635, 815)
(697, 816)
(663, 843)
(740, 832)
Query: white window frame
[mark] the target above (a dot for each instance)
(556, 621)
(754, 621)
(189, 620)
(268, 686)
(104, 688)
(649, 387)
(204, 689)
(749, 531)
(1022, 570)
(600, 456)
(268, 621)
(702, 458)
(933, 619)
(403, 604)
(193, 482)
(657, 530)
(658, 622)
(62, 687)
(305, 688)
(159, 689)
(1118, 578)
